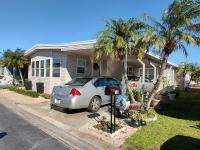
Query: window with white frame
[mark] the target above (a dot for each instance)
(56, 67)
(81, 63)
(149, 73)
(33, 68)
(37, 68)
(42, 68)
(48, 61)
(130, 71)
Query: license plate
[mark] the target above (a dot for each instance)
(57, 101)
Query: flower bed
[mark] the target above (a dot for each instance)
(105, 126)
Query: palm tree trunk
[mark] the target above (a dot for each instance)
(127, 88)
(20, 72)
(183, 83)
(158, 84)
(13, 75)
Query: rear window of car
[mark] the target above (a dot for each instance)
(78, 81)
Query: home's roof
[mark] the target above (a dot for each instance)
(80, 45)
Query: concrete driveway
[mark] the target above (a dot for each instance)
(72, 118)
(68, 125)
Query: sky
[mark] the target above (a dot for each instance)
(24, 23)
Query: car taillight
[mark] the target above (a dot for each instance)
(75, 92)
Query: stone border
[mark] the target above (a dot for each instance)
(123, 129)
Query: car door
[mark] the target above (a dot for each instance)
(100, 85)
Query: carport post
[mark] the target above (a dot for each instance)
(143, 78)
(154, 74)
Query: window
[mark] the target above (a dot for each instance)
(101, 82)
(37, 68)
(130, 71)
(114, 83)
(42, 68)
(78, 81)
(48, 68)
(80, 66)
(33, 68)
(149, 74)
(56, 67)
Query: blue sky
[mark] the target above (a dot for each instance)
(28, 22)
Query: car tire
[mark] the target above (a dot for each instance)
(52, 106)
(95, 104)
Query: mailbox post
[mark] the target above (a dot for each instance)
(112, 91)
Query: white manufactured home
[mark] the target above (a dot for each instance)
(55, 64)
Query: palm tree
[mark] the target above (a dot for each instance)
(179, 25)
(120, 39)
(15, 60)
(182, 70)
(194, 72)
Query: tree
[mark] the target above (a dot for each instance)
(179, 26)
(120, 39)
(15, 60)
(182, 70)
(194, 70)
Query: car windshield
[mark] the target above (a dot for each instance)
(78, 81)
(134, 78)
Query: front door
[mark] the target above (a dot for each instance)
(96, 69)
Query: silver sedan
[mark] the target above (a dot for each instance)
(83, 93)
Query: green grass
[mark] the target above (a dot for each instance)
(23, 92)
(177, 127)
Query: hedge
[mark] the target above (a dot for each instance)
(24, 92)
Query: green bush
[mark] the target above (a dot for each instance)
(23, 92)
(137, 95)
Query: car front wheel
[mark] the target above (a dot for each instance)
(95, 104)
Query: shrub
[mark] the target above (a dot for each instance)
(23, 92)
(151, 112)
(137, 95)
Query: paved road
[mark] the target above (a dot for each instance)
(18, 134)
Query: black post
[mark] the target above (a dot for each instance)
(111, 123)
(114, 113)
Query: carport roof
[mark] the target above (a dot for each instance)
(73, 46)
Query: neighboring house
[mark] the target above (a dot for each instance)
(5, 76)
(55, 64)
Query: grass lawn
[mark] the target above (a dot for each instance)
(177, 127)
